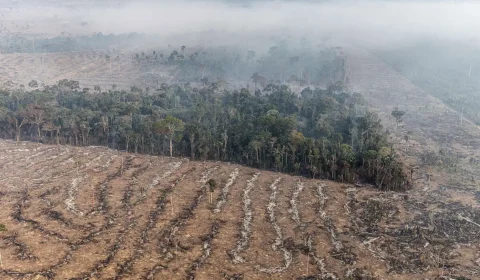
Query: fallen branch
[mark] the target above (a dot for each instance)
(460, 217)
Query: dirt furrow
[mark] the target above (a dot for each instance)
(278, 244)
(169, 246)
(206, 250)
(127, 266)
(22, 251)
(127, 225)
(50, 271)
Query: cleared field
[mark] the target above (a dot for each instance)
(90, 68)
(446, 191)
(94, 213)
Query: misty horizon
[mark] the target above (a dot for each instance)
(366, 23)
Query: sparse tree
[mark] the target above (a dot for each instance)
(212, 184)
(398, 115)
(258, 79)
(33, 84)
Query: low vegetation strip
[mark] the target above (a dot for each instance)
(294, 203)
(278, 244)
(71, 196)
(226, 191)
(245, 230)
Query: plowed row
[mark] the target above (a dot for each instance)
(93, 213)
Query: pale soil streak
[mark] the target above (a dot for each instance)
(157, 180)
(278, 244)
(72, 194)
(322, 200)
(28, 158)
(294, 203)
(206, 176)
(226, 191)
(94, 161)
(247, 221)
(50, 157)
(45, 169)
(109, 162)
(46, 166)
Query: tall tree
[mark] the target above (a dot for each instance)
(170, 127)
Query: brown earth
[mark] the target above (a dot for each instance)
(446, 194)
(90, 68)
(94, 213)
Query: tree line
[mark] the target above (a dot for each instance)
(284, 62)
(321, 133)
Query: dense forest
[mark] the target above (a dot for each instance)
(319, 133)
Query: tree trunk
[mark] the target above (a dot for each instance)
(192, 148)
(88, 135)
(225, 141)
(171, 146)
(38, 133)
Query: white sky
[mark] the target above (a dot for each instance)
(363, 22)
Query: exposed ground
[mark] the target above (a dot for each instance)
(445, 200)
(93, 213)
(90, 68)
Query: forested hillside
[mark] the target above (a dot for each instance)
(319, 133)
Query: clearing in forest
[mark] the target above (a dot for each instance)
(94, 213)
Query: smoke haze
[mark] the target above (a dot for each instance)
(368, 23)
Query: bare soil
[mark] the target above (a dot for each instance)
(440, 215)
(94, 213)
(90, 68)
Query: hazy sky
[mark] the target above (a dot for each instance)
(363, 22)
